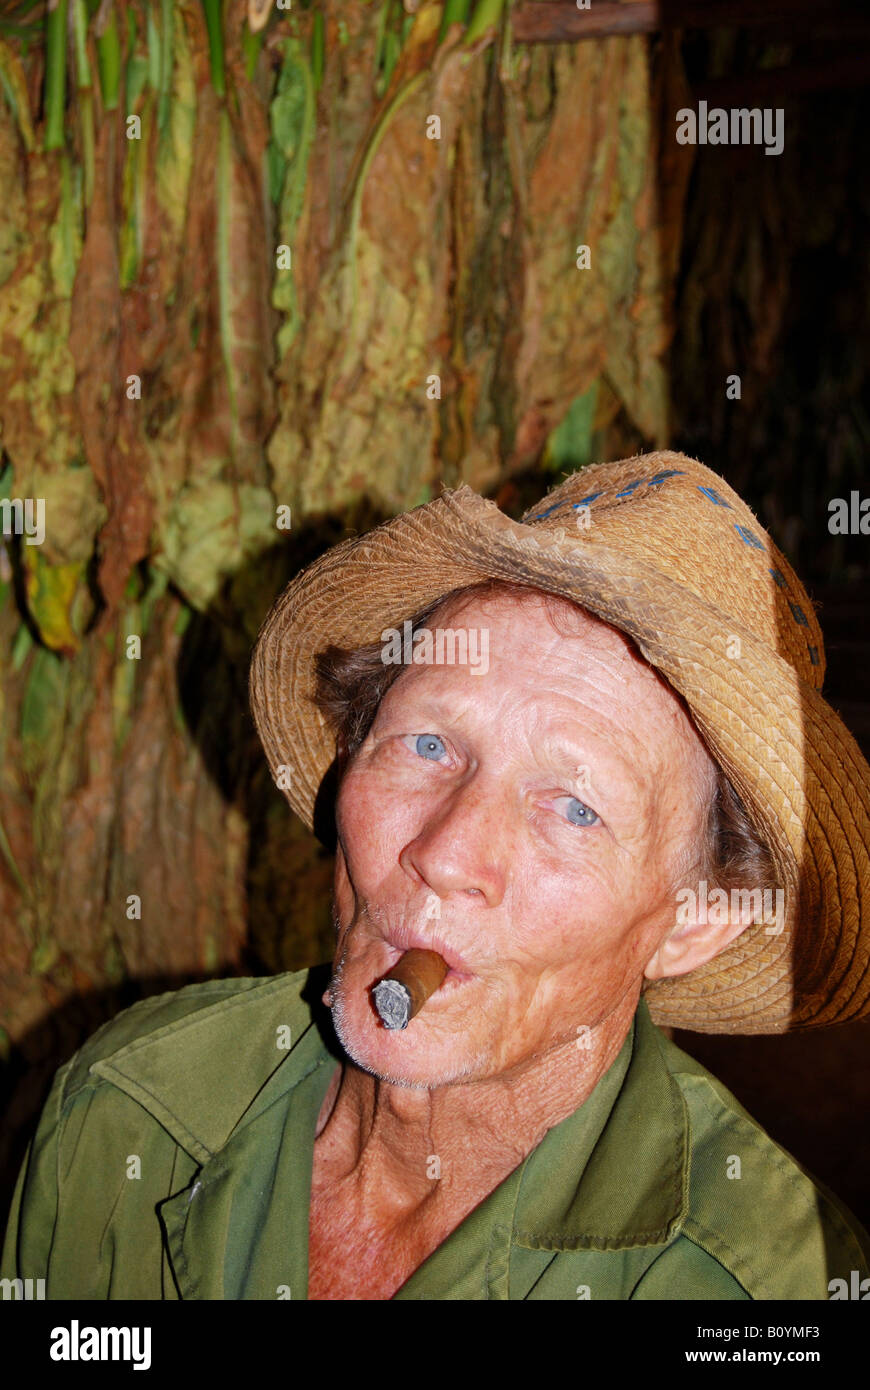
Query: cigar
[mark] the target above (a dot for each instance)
(402, 994)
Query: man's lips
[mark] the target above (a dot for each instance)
(399, 942)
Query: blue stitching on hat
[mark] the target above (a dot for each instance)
(746, 535)
(564, 503)
(798, 614)
(714, 497)
(541, 515)
(814, 655)
(626, 492)
(778, 578)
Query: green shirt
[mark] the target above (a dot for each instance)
(173, 1159)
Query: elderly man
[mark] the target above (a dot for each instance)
(580, 766)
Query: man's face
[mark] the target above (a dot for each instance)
(532, 823)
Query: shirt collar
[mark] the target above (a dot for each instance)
(205, 1075)
(615, 1173)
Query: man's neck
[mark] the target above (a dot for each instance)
(397, 1147)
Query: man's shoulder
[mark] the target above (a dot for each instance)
(188, 1019)
(752, 1206)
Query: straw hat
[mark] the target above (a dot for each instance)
(670, 554)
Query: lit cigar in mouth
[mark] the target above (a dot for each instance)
(402, 994)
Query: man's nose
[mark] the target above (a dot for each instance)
(463, 844)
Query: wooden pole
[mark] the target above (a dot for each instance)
(560, 21)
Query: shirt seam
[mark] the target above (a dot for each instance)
(195, 1018)
(193, 1146)
(637, 1240)
(697, 1233)
(787, 1167)
(60, 1120)
(204, 987)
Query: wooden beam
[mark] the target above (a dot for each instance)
(559, 21)
(552, 21)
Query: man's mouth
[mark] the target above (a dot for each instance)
(415, 977)
(458, 971)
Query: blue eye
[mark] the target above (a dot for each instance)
(430, 746)
(578, 814)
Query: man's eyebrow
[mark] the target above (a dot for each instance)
(610, 774)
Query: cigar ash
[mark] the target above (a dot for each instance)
(393, 1003)
(401, 994)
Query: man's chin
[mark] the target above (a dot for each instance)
(421, 1055)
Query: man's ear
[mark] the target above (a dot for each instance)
(705, 925)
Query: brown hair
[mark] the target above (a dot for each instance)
(352, 682)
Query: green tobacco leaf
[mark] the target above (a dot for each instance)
(154, 54)
(251, 47)
(175, 149)
(487, 15)
(157, 585)
(225, 267)
(109, 61)
(44, 956)
(42, 708)
(21, 645)
(51, 591)
(134, 199)
(124, 677)
(276, 167)
(74, 513)
(137, 77)
(214, 27)
(287, 112)
(455, 12)
(15, 223)
(210, 531)
(570, 445)
(15, 88)
(65, 235)
(292, 116)
(168, 30)
(55, 74)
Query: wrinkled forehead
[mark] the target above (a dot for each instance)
(571, 633)
(551, 646)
